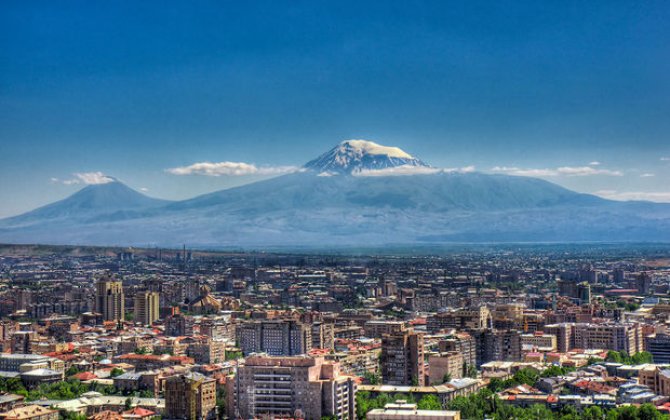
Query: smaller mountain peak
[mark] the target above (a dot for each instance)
(351, 156)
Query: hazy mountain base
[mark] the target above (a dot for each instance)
(307, 210)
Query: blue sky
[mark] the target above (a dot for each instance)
(132, 89)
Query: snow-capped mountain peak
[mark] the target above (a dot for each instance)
(353, 156)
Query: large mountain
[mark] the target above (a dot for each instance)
(359, 193)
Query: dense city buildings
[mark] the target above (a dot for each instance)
(207, 335)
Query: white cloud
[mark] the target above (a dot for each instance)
(231, 169)
(647, 175)
(463, 170)
(87, 178)
(92, 178)
(406, 170)
(562, 171)
(144, 189)
(659, 197)
(665, 159)
(586, 171)
(594, 163)
(513, 170)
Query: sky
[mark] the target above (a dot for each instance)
(574, 92)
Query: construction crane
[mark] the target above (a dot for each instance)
(193, 395)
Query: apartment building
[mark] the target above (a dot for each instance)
(659, 346)
(291, 386)
(274, 337)
(377, 328)
(147, 308)
(538, 342)
(402, 359)
(468, 318)
(190, 396)
(109, 299)
(441, 366)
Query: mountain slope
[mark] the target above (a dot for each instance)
(89, 203)
(345, 208)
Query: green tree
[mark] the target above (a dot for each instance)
(234, 355)
(372, 377)
(116, 372)
(614, 356)
(471, 371)
(556, 371)
(221, 402)
(592, 413)
(429, 402)
(496, 385)
(72, 370)
(642, 357)
(569, 412)
(526, 376)
(649, 412)
(627, 412)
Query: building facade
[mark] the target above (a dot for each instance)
(295, 386)
(274, 337)
(402, 359)
(147, 307)
(443, 367)
(190, 396)
(109, 300)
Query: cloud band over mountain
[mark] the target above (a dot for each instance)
(231, 169)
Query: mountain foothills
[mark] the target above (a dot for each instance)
(358, 193)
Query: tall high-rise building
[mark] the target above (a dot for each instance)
(109, 299)
(565, 335)
(499, 345)
(190, 396)
(659, 346)
(298, 386)
(584, 293)
(463, 343)
(579, 291)
(178, 325)
(275, 337)
(147, 307)
(323, 335)
(402, 360)
(643, 283)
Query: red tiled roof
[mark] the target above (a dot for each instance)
(139, 411)
(85, 376)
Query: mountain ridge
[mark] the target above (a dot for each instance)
(346, 207)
